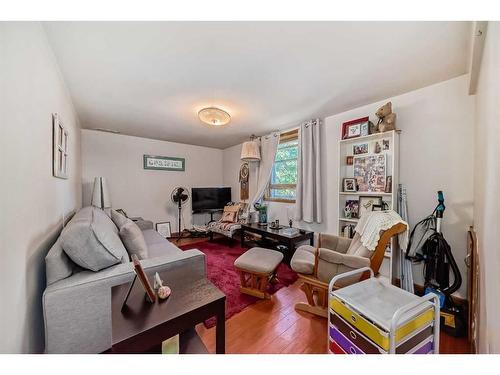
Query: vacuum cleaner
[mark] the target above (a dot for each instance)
(427, 245)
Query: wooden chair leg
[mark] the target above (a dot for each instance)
(307, 289)
(311, 306)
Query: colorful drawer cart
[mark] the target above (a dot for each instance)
(374, 317)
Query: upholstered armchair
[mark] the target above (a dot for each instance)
(226, 227)
(335, 255)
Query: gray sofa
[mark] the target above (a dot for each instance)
(77, 302)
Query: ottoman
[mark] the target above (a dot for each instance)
(257, 267)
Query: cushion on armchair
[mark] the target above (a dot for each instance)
(353, 261)
(357, 248)
(230, 214)
(303, 260)
(335, 243)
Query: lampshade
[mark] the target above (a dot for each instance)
(214, 116)
(250, 151)
(100, 194)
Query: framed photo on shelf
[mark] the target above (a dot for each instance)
(164, 229)
(360, 149)
(370, 172)
(388, 184)
(351, 209)
(349, 185)
(349, 160)
(366, 203)
(352, 129)
(365, 128)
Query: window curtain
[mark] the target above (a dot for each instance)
(268, 147)
(308, 193)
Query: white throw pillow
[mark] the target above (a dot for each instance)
(133, 239)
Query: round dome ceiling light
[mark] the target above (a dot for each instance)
(214, 116)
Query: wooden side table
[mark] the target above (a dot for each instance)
(142, 326)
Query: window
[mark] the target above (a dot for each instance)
(284, 174)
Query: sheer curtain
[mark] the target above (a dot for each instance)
(268, 147)
(308, 199)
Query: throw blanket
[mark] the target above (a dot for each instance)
(371, 223)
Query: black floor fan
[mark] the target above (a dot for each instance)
(179, 197)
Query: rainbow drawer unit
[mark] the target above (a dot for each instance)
(374, 317)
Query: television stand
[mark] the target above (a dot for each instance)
(210, 211)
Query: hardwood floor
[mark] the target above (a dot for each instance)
(273, 326)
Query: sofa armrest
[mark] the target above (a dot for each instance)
(335, 243)
(77, 310)
(352, 261)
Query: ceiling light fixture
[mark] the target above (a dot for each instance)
(214, 116)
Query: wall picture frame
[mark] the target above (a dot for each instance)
(60, 148)
(164, 229)
(164, 163)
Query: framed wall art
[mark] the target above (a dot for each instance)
(60, 147)
(370, 172)
(164, 163)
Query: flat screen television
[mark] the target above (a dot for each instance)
(210, 198)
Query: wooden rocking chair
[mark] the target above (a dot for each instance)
(335, 255)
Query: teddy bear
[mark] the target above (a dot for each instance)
(386, 119)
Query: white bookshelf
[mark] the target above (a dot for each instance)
(390, 198)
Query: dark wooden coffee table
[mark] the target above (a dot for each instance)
(142, 326)
(266, 232)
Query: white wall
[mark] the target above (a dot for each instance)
(486, 190)
(32, 201)
(142, 192)
(436, 153)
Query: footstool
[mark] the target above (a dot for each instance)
(257, 267)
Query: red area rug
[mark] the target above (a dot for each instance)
(220, 269)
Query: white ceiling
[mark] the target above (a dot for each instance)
(149, 79)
